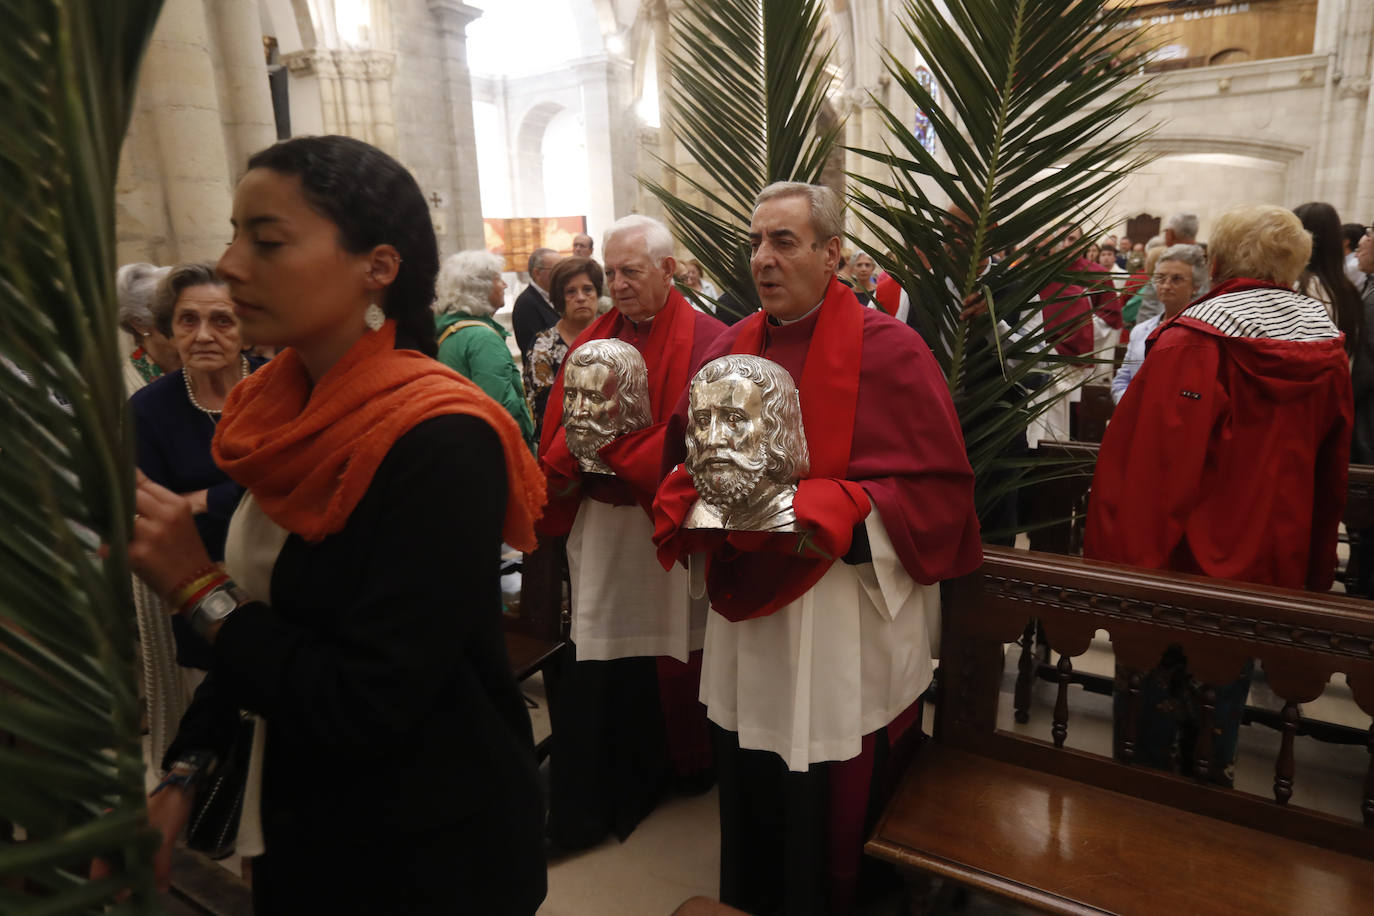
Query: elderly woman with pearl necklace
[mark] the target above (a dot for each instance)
(175, 415)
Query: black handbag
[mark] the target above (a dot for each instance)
(214, 824)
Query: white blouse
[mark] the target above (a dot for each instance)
(250, 554)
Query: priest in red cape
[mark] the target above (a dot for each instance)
(819, 644)
(623, 701)
(1228, 454)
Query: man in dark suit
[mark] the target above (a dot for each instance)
(533, 310)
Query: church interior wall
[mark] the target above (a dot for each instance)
(420, 102)
(1296, 127)
(1203, 183)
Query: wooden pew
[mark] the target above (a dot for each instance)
(537, 627)
(1066, 501)
(1067, 831)
(1095, 408)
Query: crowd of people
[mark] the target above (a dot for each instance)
(327, 524)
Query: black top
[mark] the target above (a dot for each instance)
(173, 439)
(530, 316)
(394, 723)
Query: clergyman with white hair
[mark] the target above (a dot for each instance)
(623, 701)
(467, 293)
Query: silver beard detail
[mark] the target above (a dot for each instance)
(729, 483)
(584, 441)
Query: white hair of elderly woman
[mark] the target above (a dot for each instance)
(134, 288)
(1193, 256)
(464, 283)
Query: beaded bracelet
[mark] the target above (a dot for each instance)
(191, 579)
(203, 588)
(180, 597)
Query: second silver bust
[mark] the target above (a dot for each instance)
(605, 395)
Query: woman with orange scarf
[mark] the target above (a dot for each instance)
(393, 770)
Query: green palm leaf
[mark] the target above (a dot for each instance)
(72, 775)
(748, 80)
(1036, 121)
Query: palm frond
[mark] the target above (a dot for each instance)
(71, 773)
(747, 83)
(1035, 119)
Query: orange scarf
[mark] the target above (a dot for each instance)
(309, 456)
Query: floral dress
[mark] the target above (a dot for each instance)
(542, 361)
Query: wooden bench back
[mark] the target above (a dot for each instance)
(1300, 638)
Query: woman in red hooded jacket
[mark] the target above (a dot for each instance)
(1227, 456)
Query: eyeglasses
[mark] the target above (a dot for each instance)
(1161, 279)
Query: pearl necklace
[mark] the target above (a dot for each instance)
(190, 393)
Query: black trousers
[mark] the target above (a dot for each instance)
(609, 762)
(776, 856)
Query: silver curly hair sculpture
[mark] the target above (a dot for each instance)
(784, 444)
(625, 361)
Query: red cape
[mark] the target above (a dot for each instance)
(910, 462)
(671, 345)
(1227, 457)
(1071, 307)
(888, 295)
(1106, 300)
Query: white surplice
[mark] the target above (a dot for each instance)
(623, 602)
(810, 680)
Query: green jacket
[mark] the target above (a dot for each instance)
(480, 354)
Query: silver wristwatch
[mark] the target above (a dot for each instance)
(222, 601)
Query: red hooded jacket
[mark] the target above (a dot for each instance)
(1227, 457)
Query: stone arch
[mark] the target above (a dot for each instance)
(1229, 56)
(1208, 174)
(529, 156)
(1253, 147)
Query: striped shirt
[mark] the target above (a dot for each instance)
(1275, 314)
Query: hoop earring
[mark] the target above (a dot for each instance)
(374, 317)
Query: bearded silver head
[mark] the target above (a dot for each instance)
(605, 395)
(745, 444)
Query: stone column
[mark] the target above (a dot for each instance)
(178, 82)
(249, 123)
(658, 11)
(355, 91)
(863, 122)
(1360, 204)
(453, 17)
(610, 148)
(1342, 131)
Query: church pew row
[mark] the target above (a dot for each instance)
(1057, 510)
(1042, 824)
